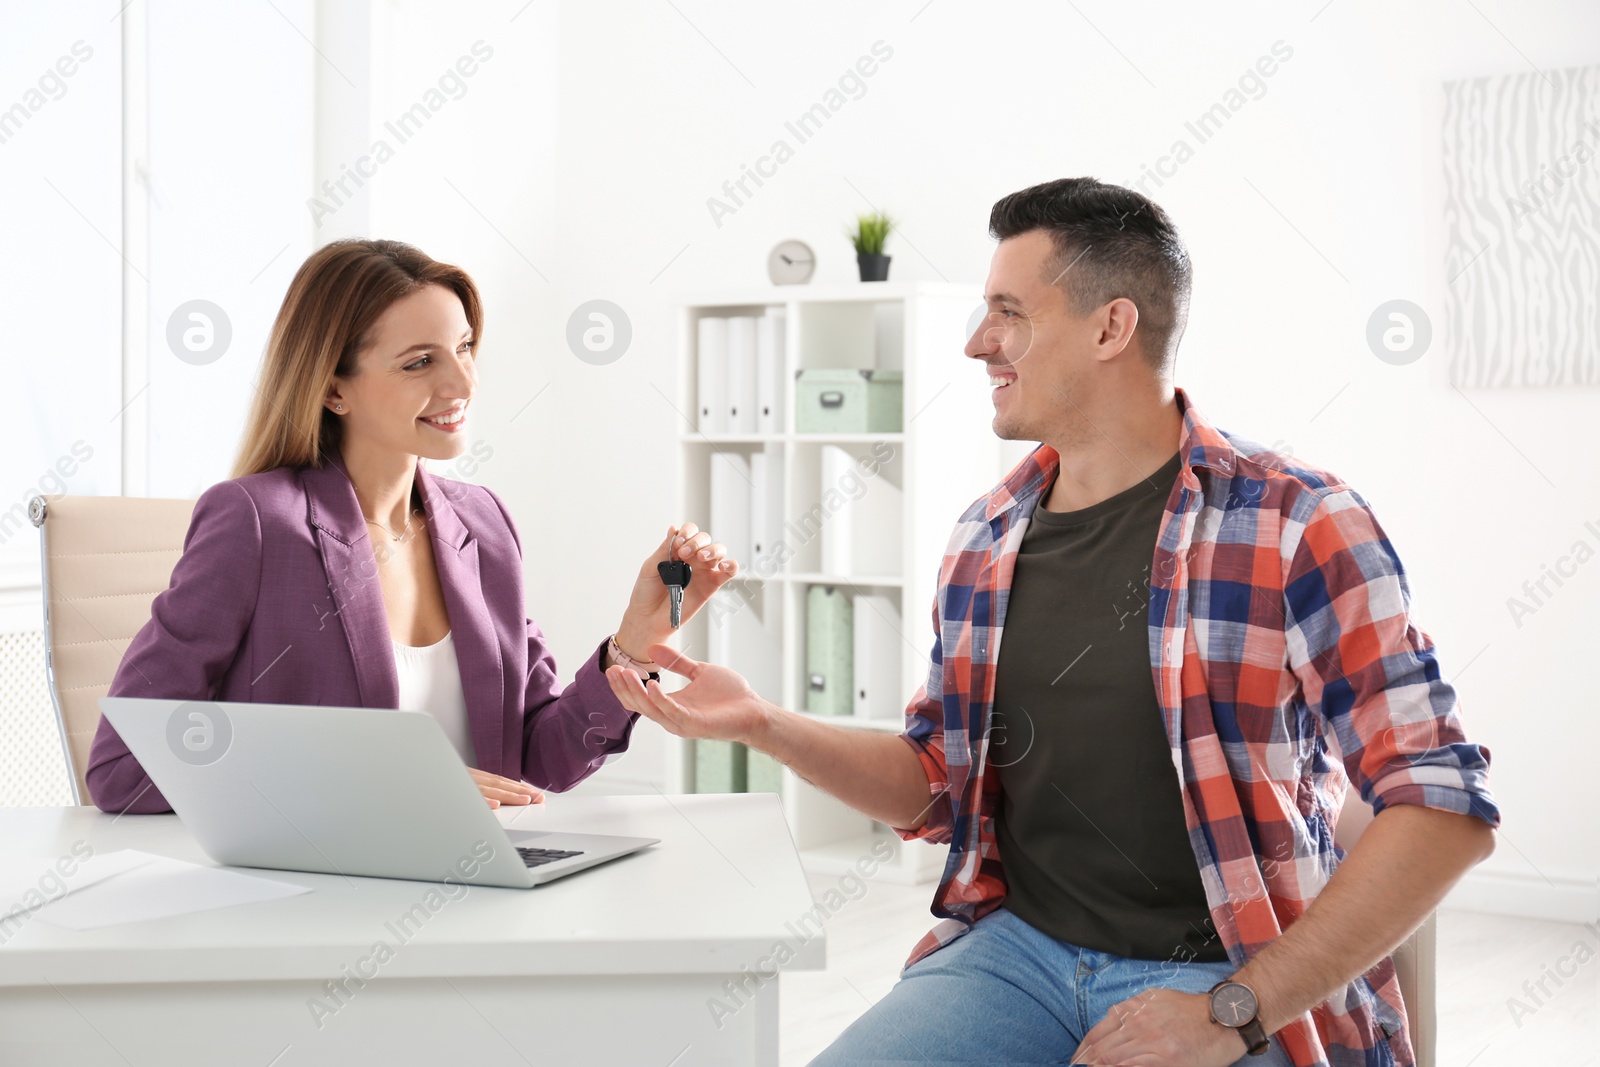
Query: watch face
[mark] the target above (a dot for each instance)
(1233, 1004)
(791, 263)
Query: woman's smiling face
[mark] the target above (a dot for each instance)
(414, 379)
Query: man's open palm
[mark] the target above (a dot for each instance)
(717, 703)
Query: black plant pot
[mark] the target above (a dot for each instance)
(874, 266)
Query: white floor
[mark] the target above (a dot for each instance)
(1483, 961)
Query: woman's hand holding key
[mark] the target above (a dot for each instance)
(648, 618)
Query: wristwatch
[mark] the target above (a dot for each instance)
(1234, 1005)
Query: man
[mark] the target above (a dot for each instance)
(1141, 817)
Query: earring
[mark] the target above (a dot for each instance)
(338, 407)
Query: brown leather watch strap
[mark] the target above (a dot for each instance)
(1255, 1038)
(1250, 1031)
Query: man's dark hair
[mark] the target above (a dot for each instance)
(1110, 242)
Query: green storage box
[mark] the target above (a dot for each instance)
(849, 401)
(830, 652)
(719, 767)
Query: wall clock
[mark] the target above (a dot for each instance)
(791, 263)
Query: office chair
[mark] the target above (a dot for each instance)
(103, 560)
(1415, 958)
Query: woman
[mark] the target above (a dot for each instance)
(335, 569)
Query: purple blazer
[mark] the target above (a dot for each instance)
(276, 600)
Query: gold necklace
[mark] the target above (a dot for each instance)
(397, 538)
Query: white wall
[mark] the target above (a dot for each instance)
(228, 157)
(61, 275)
(60, 281)
(595, 137)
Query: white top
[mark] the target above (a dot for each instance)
(430, 681)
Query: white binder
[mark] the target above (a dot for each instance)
(837, 526)
(875, 550)
(721, 613)
(770, 339)
(711, 365)
(730, 503)
(741, 397)
(862, 538)
(766, 511)
(877, 657)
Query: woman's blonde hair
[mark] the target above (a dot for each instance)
(336, 296)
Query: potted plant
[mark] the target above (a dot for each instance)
(868, 237)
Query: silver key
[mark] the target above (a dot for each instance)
(675, 575)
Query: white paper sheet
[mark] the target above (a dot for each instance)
(31, 882)
(158, 887)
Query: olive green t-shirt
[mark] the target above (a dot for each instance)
(1091, 829)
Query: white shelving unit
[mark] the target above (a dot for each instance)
(945, 456)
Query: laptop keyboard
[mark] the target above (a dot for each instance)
(538, 857)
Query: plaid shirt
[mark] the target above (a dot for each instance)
(1286, 666)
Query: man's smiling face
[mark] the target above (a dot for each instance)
(1029, 339)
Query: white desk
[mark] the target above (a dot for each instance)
(615, 965)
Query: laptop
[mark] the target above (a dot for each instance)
(352, 791)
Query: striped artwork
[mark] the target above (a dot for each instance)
(1522, 229)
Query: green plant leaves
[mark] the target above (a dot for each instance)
(870, 233)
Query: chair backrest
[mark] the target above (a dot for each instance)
(1414, 959)
(103, 560)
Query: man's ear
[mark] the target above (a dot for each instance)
(1120, 324)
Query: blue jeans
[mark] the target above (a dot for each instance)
(1005, 992)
